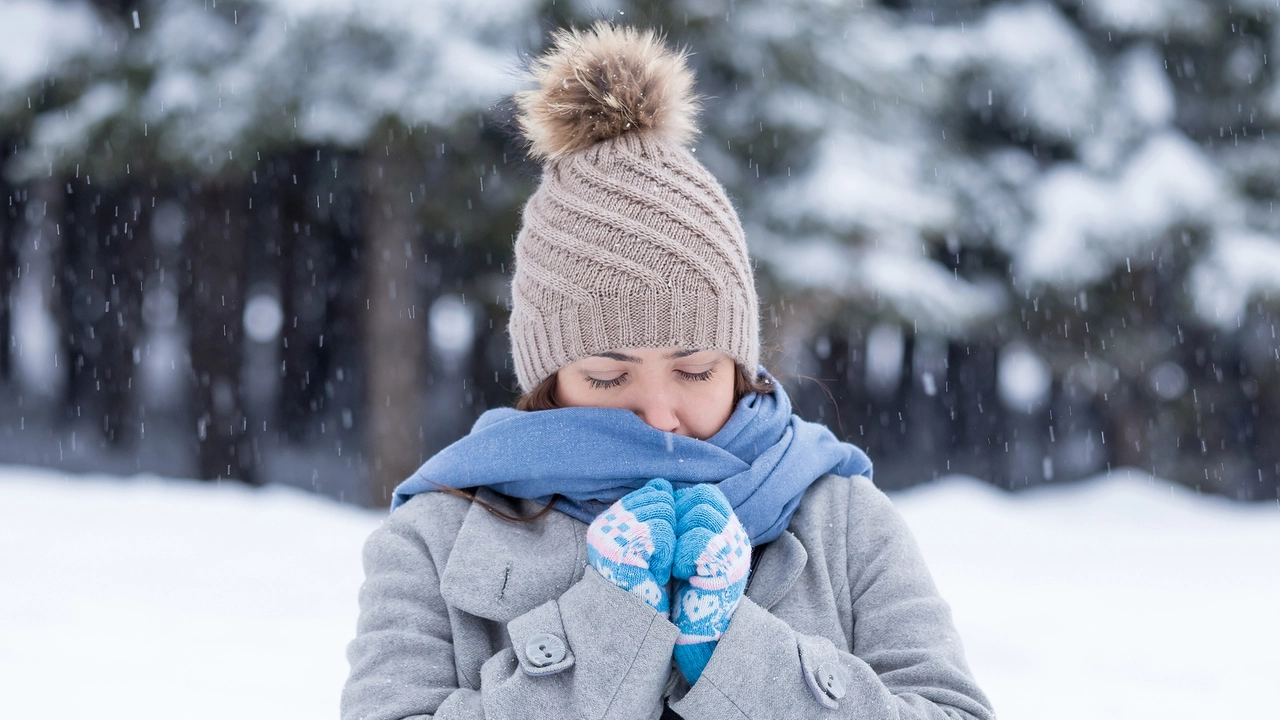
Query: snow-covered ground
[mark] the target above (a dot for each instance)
(145, 598)
(1122, 597)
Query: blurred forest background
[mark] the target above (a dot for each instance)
(271, 240)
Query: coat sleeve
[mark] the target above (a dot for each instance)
(907, 662)
(617, 649)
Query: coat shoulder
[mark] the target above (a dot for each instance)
(431, 513)
(429, 520)
(853, 496)
(849, 513)
(833, 497)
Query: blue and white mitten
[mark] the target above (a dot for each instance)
(631, 543)
(712, 561)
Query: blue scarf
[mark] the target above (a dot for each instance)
(763, 459)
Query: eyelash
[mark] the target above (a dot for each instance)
(606, 384)
(697, 377)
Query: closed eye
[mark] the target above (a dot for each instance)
(605, 384)
(697, 377)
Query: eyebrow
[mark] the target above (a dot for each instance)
(620, 357)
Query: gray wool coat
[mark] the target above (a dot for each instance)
(840, 620)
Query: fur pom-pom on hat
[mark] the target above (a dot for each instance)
(602, 83)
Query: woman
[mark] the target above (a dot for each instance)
(651, 532)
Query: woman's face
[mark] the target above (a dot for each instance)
(686, 392)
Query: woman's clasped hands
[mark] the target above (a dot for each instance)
(654, 535)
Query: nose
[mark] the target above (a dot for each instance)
(658, 412)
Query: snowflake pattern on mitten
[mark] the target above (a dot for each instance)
(631, 543)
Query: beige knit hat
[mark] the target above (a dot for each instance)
(628, 240)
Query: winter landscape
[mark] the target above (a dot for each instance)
(255, 265)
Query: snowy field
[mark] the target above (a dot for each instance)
(1122, 598)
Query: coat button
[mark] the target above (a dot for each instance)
(544, 649)
(830, 678)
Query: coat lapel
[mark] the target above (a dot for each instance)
(499, 570)
(780, 566)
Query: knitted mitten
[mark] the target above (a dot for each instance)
(631, 543)
(713, 554)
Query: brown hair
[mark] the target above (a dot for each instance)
(543, 397)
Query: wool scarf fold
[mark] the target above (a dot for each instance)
(763, 459)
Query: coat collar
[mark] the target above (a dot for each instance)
(500, 569)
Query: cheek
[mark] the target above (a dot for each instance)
(567, 394)
(711, 407)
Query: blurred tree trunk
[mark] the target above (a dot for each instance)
(339, 361)
(67, 267)
(213, 300)
(888, 441)
(103, 260)
(927, 413)
(9, 214)
(971, 370)
(1266, 445)
(39, 254)
(395, 319)
(124, 250)
(491, 350)
(303, 284)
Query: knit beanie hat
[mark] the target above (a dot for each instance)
(628, 240)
